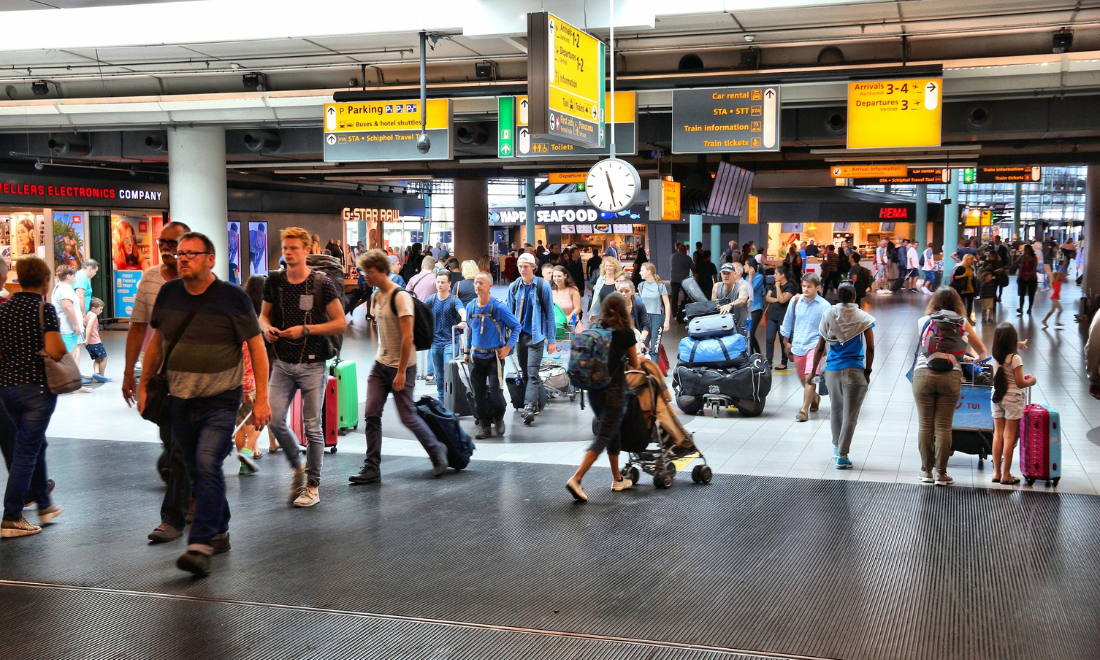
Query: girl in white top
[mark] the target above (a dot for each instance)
(1008, 381)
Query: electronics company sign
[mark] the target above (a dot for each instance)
(13, 190)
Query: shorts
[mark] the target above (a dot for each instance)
(71, 339)
(97, 351)
(804, 363)
(244, 411)
(929, 275)
(987, 303)
(1011, 407)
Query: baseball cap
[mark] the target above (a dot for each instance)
(526, 258)
(727, 268)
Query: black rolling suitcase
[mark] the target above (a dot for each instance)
(456, 393)
(517, 389)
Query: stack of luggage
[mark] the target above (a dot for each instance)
(715, 367)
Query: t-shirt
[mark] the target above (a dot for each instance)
(929, 260)
(1010, 367)
(21, 338)
(61, 292)
(621, 341)
(445, 316)
(913, 259)
(776, 311)
(84, 282)
(681, 267)
(293, 298)
(207, 361)
(465, 291)
(91, 329)
(651, 293)
(757, 292)
(705, 273)
(847, 355)
(1056, 294)
(422, 285)
(389, 326)
(148, 288)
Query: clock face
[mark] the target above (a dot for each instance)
(612, 184)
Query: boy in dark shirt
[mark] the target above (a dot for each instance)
(988, 294)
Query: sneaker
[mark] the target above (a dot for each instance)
(439, 463)
(943, 480)
(368, 475)
(46, 515)
(100, 378)
(247, 462)
(164, 533)
(298, 482)
(836, 454)
(429, 379)
(574, 488)
(309, 497)
(926, 476)
(13, 528)
(220, 543)
(86, 380)
(622, 485)
(528, 415)
(500, 426)
(194, 562)
(483, 432)
(29, 502)
(842, 463)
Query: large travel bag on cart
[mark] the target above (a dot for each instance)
(697, 309)
(347, 394)
(749, 382)
(1040, 443)
(718, 352)
(330, 416)
(713, 325)
(692, 291)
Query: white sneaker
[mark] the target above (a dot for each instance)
(309, 497)
(622, 485)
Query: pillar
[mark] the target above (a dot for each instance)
(1091, 234)
(196, 186)
(1017, 200)
(921, 237)
(695, 232)
(951, 225)
(716, 243)
(529, 200)
(471, 232)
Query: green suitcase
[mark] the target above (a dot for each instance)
(347, 393)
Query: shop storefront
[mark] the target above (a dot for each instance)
(582, 227)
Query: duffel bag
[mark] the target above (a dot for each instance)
(705, 308)
(717, 352)
(714, 325)
(752, 382)
(692, 290)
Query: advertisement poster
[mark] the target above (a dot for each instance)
(351, 245)
(131, 249)
(69, 238)
(257, 248)
(235, 253)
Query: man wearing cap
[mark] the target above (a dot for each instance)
(531, 302)
(733, 294)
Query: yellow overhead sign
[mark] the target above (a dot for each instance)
(565, 80)
(568, 177)
(862, 171)
(886, 114)
(385, 116)
(670, 202)
(754, 210)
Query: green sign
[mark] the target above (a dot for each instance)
(968, 175)
(506, 126)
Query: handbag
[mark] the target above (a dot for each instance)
(157, 406)
(62, 376)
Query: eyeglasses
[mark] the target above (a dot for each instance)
(165, 242)
(187, 255)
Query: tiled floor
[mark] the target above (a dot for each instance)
(884, 447)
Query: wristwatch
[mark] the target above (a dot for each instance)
(305, 330)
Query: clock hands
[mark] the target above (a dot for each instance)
(609, 186)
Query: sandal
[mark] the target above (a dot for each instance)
(996, 478)
(1011, 482)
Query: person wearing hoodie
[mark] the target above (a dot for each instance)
(847, 330)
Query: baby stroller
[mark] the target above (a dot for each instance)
(650, 434)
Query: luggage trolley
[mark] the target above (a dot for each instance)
(972, 428)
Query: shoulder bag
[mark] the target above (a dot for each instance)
(157, 408)
(62, 376)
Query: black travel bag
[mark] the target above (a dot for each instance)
(445, 427)
(752, 382)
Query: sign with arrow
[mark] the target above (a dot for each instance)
(565, 80)
(529, 145)
(893, 114)
(725, 120)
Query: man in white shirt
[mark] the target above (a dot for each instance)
(913, 263)
(882, 284)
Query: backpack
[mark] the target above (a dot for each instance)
(423, 321)
(444, 425)
(863, 281)
(942, 343)
(332, 343)
(329, 265)
(588, 359)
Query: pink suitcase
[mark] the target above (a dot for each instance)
(330, 416)
(1040, 444)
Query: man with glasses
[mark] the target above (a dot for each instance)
(174, 509)
(200, 325)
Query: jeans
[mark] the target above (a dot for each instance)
(609, 401)
(1026, 288)
(656, 327)
(177, 494)
(204, 432)
(7, 436)
(847, 387)
(754, 325)
(530, 359)
(968, 303)
(485, 382)
(937, 394)
(379, 386)
(771, 334)
(286, 379)
(441, 354)
(28, 409)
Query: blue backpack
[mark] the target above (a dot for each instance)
(588, 359)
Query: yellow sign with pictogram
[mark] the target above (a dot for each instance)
(892, 114)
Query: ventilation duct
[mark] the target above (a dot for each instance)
(156, 142)
(262, 141)
(71, 146)
(472, 135)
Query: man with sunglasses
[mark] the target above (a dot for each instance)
(177, 497)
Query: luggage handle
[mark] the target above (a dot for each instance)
(461, 343)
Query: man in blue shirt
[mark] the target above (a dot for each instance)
(492, 333)
(447, 313)
(531, 302)
(800, 333)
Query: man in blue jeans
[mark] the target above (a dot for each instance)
(532, 303)
(447, 313)
(200, 325)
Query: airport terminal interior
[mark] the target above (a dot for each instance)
(778, 135)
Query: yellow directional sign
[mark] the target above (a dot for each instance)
(885, 114)
(385, 116)
(857, 171)
(565, 74)
(386, 131)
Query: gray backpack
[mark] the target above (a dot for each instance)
(942, 343)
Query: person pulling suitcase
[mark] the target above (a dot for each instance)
(532, 303)
(447, 313)
(493, 332)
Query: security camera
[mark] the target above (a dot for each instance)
(423, 143)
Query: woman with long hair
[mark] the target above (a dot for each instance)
(756, 280)
(610, 268)
(965, 282)
(937, 392)
(640, 260)
(566, 294)
(639, 316)
(615, 318)
(655, 298)
(1027, 278)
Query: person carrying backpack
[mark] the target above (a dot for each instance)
(404, 324)
(493, 333)
(621, 350)
(943, 334)
(301, 314)
(532, 303)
